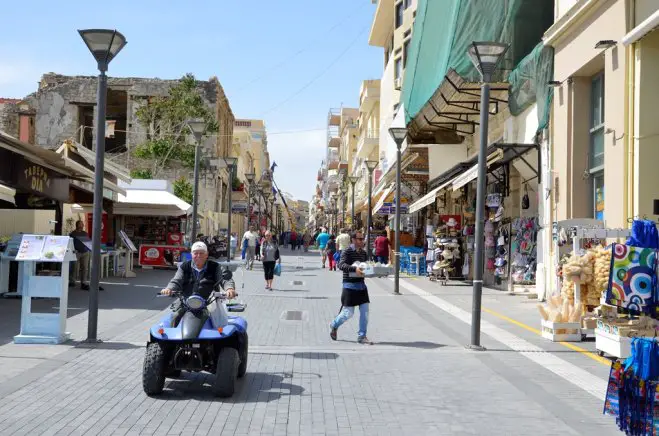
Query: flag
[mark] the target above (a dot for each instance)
(272, 168)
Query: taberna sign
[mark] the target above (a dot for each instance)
(41, 180)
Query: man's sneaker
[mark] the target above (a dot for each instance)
(364, 340)
(333, 333)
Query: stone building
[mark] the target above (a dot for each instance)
(64, 108)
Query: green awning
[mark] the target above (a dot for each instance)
(444, 30)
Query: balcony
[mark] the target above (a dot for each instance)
(369, 94)
(334, 117)
(334, 142)
(368, 139)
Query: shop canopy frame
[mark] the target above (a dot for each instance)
(455, 106)
(500, 155)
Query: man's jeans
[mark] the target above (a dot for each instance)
(347, 313)
(382, 259)
(249, 256)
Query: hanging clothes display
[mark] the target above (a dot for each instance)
(644, 234)
(524, 250)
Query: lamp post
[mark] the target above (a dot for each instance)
(485, 57)
(104, 44)
(197, 127)
(231, 163)
(259, 192)
(250, 179)
(344, 191)
(370, 166)
(353, 180)
(399, 134)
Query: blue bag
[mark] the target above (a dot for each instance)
(337, 256)
(277, 271)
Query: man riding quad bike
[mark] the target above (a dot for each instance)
(198, 335)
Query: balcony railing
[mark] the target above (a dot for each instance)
(368, 138)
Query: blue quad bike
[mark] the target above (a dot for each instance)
(197, 344)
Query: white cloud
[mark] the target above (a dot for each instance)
(298, 157)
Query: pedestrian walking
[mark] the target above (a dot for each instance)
(355, 292)
(80, 269)
(343, 240)
(270, 256)
(322, 239)
(250, 250)
(293, 240)
(331, 250)
(382, 246)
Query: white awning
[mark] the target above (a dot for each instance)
(472, 173)
(7, 194)
(428, 199)
(151, 203)
(382, 199)
(642, 29)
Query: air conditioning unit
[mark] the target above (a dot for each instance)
(398, 84)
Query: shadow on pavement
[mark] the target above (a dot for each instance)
(110, 345)
(255, 387)
(291, 290)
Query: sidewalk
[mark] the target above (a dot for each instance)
(417, 379)
(123, 303)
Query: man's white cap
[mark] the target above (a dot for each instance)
(199, 246)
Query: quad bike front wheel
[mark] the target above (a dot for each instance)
(226, 373)
(153, 372)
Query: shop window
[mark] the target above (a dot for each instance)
(399, 14)
(596, 152)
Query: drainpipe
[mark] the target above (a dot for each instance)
(629, 141)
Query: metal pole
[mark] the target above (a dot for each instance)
(230, 205)
(343, 218)
(397, 224)
(92, 321)
(480, 216)
(249, 206)
(195, 191)
(369, 218)
(258, 224)
(353, 206)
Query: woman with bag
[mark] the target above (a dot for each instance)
(269, 256)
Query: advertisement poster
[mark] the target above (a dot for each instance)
(175, 238)
(55, 248)
(31, 247)
(160, 255)
(104, 227)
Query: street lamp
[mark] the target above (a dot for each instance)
(344, 191)
(399, 134)
(231, 163)
(259, 192)
(250, 179)
(485, 57)
(104, 44)
(197, 126)
(353, 180)
(370, 166)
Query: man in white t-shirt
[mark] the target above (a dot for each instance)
(250, 251)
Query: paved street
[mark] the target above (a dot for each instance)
(418, 378)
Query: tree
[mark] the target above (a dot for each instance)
(183, 189)
(165, 121)
(141, 174)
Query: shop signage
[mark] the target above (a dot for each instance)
(160, 255)
(239, 207)
(175, 238)
(390, 209)
(40, 180)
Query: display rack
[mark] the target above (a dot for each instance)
(6, 258)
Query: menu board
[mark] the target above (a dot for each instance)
(43, 248)
(54, 248)
(31, 247)
(13, 245)
(127, 242)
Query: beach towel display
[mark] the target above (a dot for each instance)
(632, 279)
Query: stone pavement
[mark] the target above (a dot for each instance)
(417, 379)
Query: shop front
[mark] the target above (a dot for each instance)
(155, 220)
(511, 214)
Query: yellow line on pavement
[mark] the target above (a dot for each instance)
(572, 347)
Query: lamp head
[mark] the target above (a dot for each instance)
(104, 44)
(486, 56)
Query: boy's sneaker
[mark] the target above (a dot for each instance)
(333, 333)
(364, 340)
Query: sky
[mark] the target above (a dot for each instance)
(284, 61)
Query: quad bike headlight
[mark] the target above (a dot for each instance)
(195, 302)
